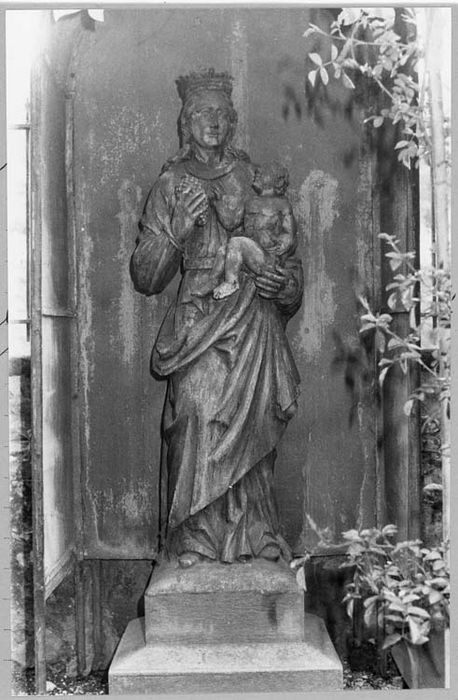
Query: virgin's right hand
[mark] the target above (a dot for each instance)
(188, 207)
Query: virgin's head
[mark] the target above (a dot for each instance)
(208, 118)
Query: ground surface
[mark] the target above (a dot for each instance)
(360, 673)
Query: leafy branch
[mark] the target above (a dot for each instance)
(394, 349)
(362, 40)
(404, 587)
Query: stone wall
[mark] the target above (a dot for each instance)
(21, 514)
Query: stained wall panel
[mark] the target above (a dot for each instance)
(59, 522)
(52, 325)
(125, 112)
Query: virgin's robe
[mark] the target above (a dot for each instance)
(232, 383)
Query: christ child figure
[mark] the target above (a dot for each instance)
(270, 229)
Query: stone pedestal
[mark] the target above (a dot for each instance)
(224, 603)
(224, 628)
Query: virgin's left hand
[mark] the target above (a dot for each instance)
(271, 282)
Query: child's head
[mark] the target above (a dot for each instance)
(271, 179)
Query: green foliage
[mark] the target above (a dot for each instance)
(363, 40)
(366, 41)
(404, 587)
(435, 315)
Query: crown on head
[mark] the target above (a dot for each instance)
(204, 80)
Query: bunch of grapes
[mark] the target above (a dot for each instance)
(188, 183)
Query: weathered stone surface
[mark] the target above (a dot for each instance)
(199, 668)
(209, 577)
(258, 601)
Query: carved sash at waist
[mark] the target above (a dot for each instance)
(198, 263)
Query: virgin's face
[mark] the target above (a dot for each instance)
(210, 122)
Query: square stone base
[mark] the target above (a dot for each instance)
(152, 669)
(258, 601)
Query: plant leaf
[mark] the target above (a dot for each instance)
(395, 263)
(324, 75)
(334, 52)
(397, 607)
(432, 487)
(389, 530)
(347, 81)
(408, 407)
(363, 301)
(433, 555)
(370, 617)
(418, 612)
(417, 630)
(409, 597)
(391, 640)
(312, 76)
(435, 597)
(349, 15)
(382, 375)
(370, 601)
(392, 300)
(397, 619)
(387, 237)
(316, 58)
(440, 581)
(96, 15)
(366, 327)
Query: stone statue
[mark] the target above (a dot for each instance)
(232, 380)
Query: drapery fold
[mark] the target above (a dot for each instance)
(232, 383)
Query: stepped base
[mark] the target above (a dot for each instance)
(152, 669)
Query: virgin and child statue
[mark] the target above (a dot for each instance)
(232, 384)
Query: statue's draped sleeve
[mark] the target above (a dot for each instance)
(158, 253)
(290, 297)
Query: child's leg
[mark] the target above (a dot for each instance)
(240, 250)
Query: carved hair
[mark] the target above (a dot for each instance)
(276, 175)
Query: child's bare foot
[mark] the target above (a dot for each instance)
(225, 289)
(271, 552)
(188, 559)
